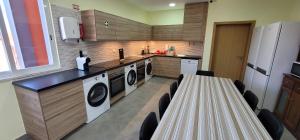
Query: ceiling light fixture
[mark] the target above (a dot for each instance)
(172, 4)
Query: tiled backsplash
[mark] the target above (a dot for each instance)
(108, 50)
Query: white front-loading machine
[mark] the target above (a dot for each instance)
(96, 93)
(130, 78)
(148, 69)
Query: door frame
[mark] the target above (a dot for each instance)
(212, 51)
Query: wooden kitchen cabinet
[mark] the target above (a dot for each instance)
(53, 113)
(131, 30)
(292, 116)
(103, 26)
(195, 17)
(167, 32)
(166, 66)
(98, 25)
(288, 104)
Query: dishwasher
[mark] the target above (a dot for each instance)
(189, 66)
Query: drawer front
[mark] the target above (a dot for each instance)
(288, 83)
(61, 125)
(57, 100)
(58, 93)
(61, 106)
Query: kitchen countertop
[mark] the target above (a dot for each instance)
(40, 83)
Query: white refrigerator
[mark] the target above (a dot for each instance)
(252, 57)
(277, 50)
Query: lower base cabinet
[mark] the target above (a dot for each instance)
(288, 104)
(166, 66)
(53, 113)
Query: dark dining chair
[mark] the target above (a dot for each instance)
(251, 99)
(173, 88)
(205, 73)
(271, 123)
(240, 86)
(148, 127)
(163, 104)
(179, 79)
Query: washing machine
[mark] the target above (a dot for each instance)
(148, 69)
(131, 78)
(96, 93)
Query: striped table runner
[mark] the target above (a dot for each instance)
(209, 108)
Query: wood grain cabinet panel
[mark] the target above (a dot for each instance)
(166, 66)
(53, 113)
(167, 32)
(195, 17)
(292, 116)
(32, 114)
(288, 104)
(106, 25)
(103, 26)
(98, 25)
(131, 30)
(62, 124)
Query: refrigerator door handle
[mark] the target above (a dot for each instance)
(262, 71)
(250, 65)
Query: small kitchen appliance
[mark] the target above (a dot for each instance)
(83, 62)
(121, 54)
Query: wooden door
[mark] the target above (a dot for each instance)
(231, 43)
(292, 116)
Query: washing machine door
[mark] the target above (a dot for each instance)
(97, 94)
(131, 77)
(149, 69)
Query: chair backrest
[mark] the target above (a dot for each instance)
(173, 88)
(205, 73)
(271, 123)
(148, 127)
(251, 99)
(240, 86)
(163, 104)
(179, 79)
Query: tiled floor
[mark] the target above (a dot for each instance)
(123, 120)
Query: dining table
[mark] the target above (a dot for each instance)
(209, 108)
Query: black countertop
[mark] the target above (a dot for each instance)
(45, 82)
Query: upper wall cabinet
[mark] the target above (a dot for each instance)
(131, 30)
(103, 26)
(98, 25)
(195, 16)
(167, 32)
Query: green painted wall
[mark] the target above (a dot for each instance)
(167, 17)
(11, 124)
(295, 14)
(263, 11)
(116, 7)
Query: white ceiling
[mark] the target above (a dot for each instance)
(157, 5)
